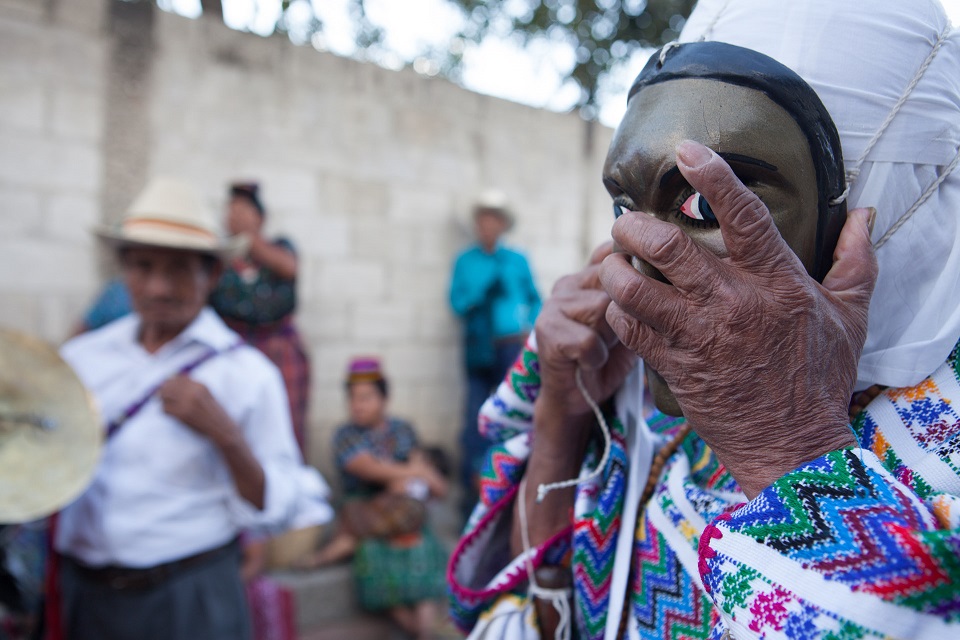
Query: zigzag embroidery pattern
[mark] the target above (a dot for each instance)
(502, 469)
(524, 376)
(594, 539)
(845, 521)
(666, 602)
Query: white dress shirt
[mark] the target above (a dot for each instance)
(162, 491)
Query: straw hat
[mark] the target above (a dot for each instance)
(169, 213)
(493, 201)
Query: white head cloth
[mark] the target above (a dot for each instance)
(860, 57)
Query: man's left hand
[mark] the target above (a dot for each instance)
(761, 358)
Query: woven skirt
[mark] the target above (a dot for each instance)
(281, 343)
(389, 575)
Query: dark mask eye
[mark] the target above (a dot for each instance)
(697, 207)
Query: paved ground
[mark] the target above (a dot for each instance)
(370, 628)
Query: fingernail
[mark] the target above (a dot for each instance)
(693, 154)
(871, 218)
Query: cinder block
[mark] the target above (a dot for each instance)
(72, 217)
(20, 311)
(43, 266)
(22, 103)
(77, 113)
(423, 362)
(40, 161)
(321, 320)
(75, 165)
(354, 198)
(77, 59)
(23, 10)
(24, 158)
(438, 324)
(352, 280)
(374, 238)
(84, 15)
(60, 314)
(373, 321)
(318, 234)
(431, 245)
(427, 286)
(21, 212)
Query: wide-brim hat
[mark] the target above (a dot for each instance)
(494, 202)
(170, 214)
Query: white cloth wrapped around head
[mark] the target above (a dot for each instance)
(861, 58)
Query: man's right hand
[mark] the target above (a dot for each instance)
(572, 331)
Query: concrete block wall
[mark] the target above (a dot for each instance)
(52, 76)
(370, 172)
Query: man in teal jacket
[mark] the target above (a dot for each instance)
(493, 292)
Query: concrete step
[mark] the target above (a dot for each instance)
(327, 608)
(362, 629)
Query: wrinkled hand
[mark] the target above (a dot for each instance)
(191, 403)
(761, 358)
(572, 331)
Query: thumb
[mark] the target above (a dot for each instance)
(854, 270)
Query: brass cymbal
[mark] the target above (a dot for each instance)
(50, 431)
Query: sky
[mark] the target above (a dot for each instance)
(498, 66)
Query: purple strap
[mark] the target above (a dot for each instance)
(134, 409)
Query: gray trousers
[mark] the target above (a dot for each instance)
(203, 602)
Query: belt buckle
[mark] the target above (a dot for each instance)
(121, 582)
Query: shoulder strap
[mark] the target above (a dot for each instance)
(114, 426)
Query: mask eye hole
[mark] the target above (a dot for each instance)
(696, 207)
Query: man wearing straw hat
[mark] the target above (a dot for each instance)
(199, 443)
(493, 292)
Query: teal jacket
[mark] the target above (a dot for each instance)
(495, 296)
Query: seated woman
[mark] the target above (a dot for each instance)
(745, 504)
(399, 563)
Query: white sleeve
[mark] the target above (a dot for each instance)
(295, 495)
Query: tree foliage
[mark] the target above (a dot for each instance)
(600, 32)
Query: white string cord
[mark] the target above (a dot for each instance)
(559, 598)
(666, 49)
(916, 205)
(544, 489)
(854, 172)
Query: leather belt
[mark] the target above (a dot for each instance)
(132, 578)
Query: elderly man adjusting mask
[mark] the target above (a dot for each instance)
(747, 494)
(199, 444)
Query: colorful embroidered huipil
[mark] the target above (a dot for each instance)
(857, 543)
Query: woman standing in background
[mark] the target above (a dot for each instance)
(257, 297)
